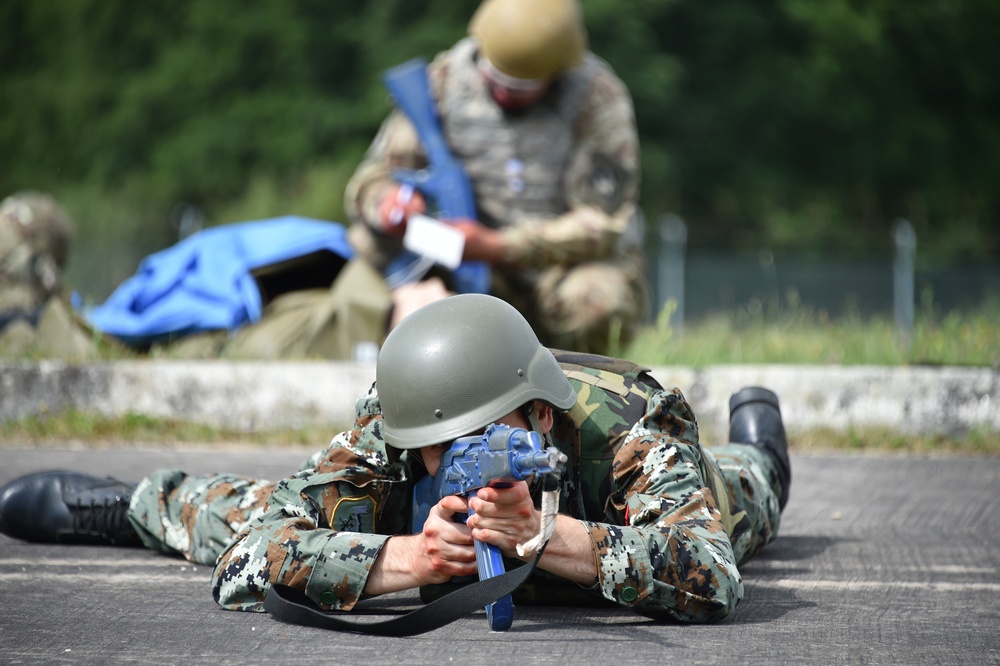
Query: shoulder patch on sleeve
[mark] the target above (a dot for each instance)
(354, 514)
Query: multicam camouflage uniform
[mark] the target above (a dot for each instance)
(668, 524)
(35, 234)
(560, 180)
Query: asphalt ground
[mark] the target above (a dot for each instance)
(881, 560)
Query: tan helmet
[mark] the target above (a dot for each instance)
(458, 365)
(530, 39)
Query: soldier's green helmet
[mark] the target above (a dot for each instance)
(459, 364)
(530, 39)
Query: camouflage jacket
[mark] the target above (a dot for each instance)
(560, 179)
(637, 479)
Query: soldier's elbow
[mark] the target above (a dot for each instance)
(697, 606)
(725, 596)
(238, 582)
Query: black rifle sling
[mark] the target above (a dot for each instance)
(291, 606)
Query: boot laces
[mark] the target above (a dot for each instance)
(107, 517)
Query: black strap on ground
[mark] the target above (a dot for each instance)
(291, 606)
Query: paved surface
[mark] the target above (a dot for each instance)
(881, 560)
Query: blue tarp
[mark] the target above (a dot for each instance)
(204, 282)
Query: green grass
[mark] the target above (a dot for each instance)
(793, 334)
(883, 440)
(74, 426)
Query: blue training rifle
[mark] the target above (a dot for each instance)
(444, 181)
(499, 456)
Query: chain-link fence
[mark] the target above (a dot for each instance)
(703, 282)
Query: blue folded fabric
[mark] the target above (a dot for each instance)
(205, 283)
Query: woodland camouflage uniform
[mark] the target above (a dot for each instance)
(559, 179)
(669, 520)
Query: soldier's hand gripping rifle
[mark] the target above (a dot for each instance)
(444, 181)
(498, 457)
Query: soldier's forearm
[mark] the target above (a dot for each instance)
(393, 569)
(585, 233)
(570, 553)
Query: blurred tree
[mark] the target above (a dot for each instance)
(801, 125)
(814, 125)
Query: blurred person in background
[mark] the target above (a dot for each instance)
(35, 237)
(546, 133)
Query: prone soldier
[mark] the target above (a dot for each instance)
(648, 518)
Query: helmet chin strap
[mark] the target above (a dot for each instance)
(550, 492)
(531, 414)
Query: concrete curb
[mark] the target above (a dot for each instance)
(908, 400)
(256, 396)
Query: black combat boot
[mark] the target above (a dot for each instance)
(755, 419)
(67, 507)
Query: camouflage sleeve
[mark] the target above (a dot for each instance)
(322, 528)
(366, 410)
(672, 558)
(601, 185)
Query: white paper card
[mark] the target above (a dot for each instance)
(438, 241)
